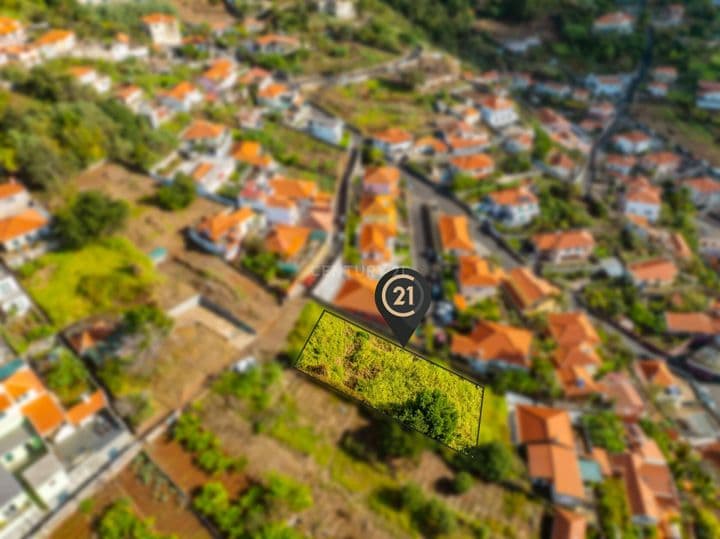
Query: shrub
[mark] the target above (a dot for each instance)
(91, 216)
(462, 482)
(177, 195)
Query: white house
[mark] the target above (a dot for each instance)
(606, 85)
(207, 137)
(705, 191)
(617, 21)
(643, 200)
(658, 89)
(393, 141)
(47, 478)
(341, 9)
(280, 210)
(164, 29)
(328, 129)
(182, 98)
(514, 207)
(708, 95)
(87, 76)
(22, 229)
(564, 246)
(211, 174)
(522, 45)
(12, 32)
(15, 446)
(13, 300)
(220, 76)
(55, 43)
(14, 198)
(632, 142)
(498, 112)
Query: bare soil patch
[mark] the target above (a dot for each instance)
(203, 11)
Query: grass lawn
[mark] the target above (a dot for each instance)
(373, 106)
(103, 277)
(383, 375)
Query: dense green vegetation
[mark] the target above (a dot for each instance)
(67, 377)
(70, 126)
(176, 195)
(606, 430)
(121, 522)
(89, 217)
(614, 516)
(259, 512)
(392, 380)
(429, 516)
(104, 277)
(204, 445)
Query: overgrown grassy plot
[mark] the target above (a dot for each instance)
(420, 394)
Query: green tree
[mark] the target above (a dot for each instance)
(491, 461)
(430, 412)
(177, 195)
(707, 525)
(394, 441)
(605, 430)
(462, 482)
(66, 372)
(543, 144)
(91, 216)
(121, 522)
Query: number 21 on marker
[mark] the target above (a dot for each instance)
(400, 292)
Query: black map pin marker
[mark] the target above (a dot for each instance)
(403, 297)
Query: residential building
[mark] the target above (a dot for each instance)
(13, 499)
(357, 296)
(210, 174)
(220, 76)
(561, 166)
(383, 180)
(705, 191)
(455, 235)
(513, 207)
(287, 241)
(131, 96)
(546, 434)
(692, 324)
(13, 299)
(164, 29)
(478, 278)
(379, 209)
(87, 76)
(626, 401)
(606, 85)
(48, 480)
(330, 130)
(498, 112)
(469, 144)
(620, 164)
(520, 141)
(491, 343)
(552, 89)
(476, 165)
(274, 44)
(14, 198)
(206, 137)
(708, 95)
(393, 141)
(377, 243)
(226, 230)
(22, 229)
(653, 273)
(661, 164)
(568, 524)
(643, 200)
(281, 210)
(25, 398)
(183, 97)
(658, 89)
(565, 246)
(655, 373)
(617, 21)
(12, 32)
(632, 142)
(665, 74)
(530, 293)
(249, 153)
(341, 9)
(54, 43)
(278, 96)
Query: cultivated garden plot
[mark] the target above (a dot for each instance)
(415, 391)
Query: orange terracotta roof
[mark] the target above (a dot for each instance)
(633, 136)
(492, 341)
(497, 103)
(642, 191)
(271, 91)
(660, 159)
(357, 294)
(703, 185)
(126, 92)
(87, 408)
(385, 175)
(21, 224)
(576, 382)
(543, 424)
(576, 355)
(654, 270)
(476, 271)
(21, 382)
(293, 189)
(254, 75)
(374, 239)
(274, 201)
(692, 323)
(120, 37)
(217, 226)
(562, 240)
(432, 142)
(627, 401)
(11, 188)
(656, 372)
(158, 18)
(455, 233)
(515, 196)
(53, 36)
(479, 161)
(560, 160)
(201, 170)
(558, 465)
(44, 413)
(5, 402)
(9, 26)
(393, 135)
(568, 525)
(80, 71)
(181, 91)
(287, 240)
(616, 17)
(600, 456)
(250, 152)
(220, 70)
(570, 329)
(528, 289)
(202, 129)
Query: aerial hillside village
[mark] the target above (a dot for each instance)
(185, 187)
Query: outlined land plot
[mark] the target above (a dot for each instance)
(378, 373)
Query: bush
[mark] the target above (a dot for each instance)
(431, 413)
(177, 195)
(492, 461)
(91, 216)
(605, 430)
(462, 482)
